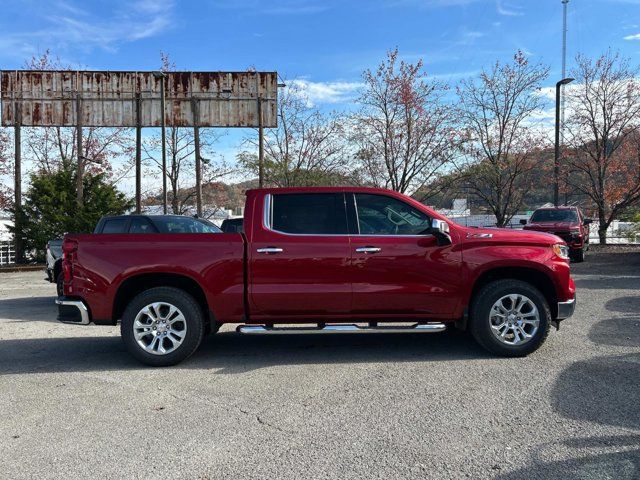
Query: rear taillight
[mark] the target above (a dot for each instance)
(69, 247)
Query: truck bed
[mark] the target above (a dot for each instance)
(106, 266)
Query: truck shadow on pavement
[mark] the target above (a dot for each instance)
(603, 390)
(232, 353)
(29, 309)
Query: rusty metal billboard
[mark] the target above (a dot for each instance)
(42, 98)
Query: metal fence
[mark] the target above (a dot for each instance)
(618, 233)
(7, 253)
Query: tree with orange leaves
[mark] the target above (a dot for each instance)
(603, 131)
(404, 129)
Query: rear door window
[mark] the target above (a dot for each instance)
(309, 214)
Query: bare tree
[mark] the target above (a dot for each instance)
(404, 130)
(6, 165)
(181, 158)
(603, 131)
(501, 146)
(307, 148)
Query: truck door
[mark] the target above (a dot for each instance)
(299, 257)
(398, 267)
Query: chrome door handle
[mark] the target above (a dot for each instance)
(269, 250)
(368, 249)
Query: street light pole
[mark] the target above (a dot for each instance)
(556, 159)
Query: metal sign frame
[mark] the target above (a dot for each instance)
(109, 98)
(84, 98)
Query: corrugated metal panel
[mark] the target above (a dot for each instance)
(225, 99)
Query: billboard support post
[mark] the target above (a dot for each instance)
(17, 173)
(164, 143)
(138, 153)
(260, 144)
(196, 145)
(79, 153)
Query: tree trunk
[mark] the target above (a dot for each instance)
(602, 227)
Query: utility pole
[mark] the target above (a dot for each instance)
(564, 60)
(564, 75)
(556, 157)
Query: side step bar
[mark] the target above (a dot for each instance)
(418, 327)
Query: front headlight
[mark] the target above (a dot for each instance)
(561, 250)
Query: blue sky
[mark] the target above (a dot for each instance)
(323, 41)
(325, 44)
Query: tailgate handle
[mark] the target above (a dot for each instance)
(270, 250)
(368, 249)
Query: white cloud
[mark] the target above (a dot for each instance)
(325, 92)
(509, 10)
(74, 27)
(633, 37)
(275, 7)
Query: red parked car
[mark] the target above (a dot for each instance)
(338, 259)
(566, 222)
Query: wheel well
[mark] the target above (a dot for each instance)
(138, 284)
(530, 275)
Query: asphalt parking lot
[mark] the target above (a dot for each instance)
(74, 404)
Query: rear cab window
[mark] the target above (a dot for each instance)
(141, 225)
(184, 225)
(114, 225)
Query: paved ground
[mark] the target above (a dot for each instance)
(74, 404)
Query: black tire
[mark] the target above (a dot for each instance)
(193, 319)
(484, 300)
(60, 284)
(578, 256)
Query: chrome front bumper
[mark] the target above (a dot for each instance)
(566, 309)
(72, 311)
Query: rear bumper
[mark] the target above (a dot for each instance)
(566, 309)
(72, 310)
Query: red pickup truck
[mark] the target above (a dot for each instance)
(568, 223)
(334, 259)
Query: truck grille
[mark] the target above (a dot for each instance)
(566, 236)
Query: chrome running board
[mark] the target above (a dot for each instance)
(341, 328)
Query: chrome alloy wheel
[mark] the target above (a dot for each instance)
(514, 319)
(159, 328)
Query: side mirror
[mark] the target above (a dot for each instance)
(587, 221)
(523, 221)
(440, 229)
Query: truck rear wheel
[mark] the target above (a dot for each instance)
(162, 326)
(510, 318)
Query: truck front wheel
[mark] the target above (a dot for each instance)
(578, 255)
(162, 326)
(510, 318)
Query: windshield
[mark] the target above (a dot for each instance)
(563, 215)
(184, 225)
